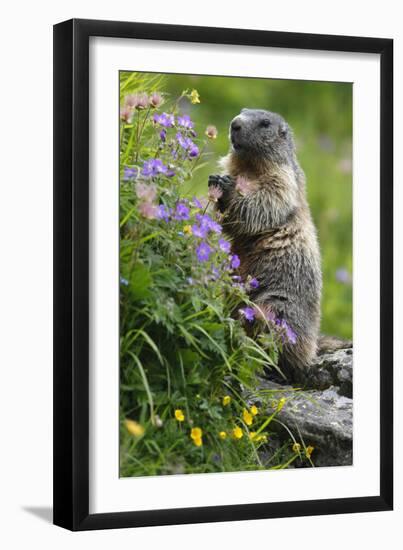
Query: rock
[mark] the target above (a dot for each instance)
(333, 368)
(320, 414)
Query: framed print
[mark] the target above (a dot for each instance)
(223, 318)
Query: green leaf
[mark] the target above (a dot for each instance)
(140, 282)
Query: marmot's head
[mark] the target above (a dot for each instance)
(255, 132)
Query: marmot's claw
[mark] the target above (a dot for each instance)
(214, 179)
(220, 181)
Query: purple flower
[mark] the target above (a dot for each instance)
(183, 141)
(165, 119)
(200, 232)
(254, 283)
(235, 261)
(248, 313)
(208, 224)
(185, 122)
(124, 281)
(187, 144)
(292, 337)
(215, 273)
(290, 334)
(193, 150)
(216, 227)
(130, 173)
(204, 220)
(287, 331)
(162, 212)
(197, 203)
(343, 276)
(224, 245)
(203, 252)
(153, 167)
(163, 135)
(170, 173)
(182, 212)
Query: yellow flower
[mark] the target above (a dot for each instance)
(258, 437)
(180, 417)
(247, 417)
(194, 97)
(296, 447)
(309, 451)
(134, 428)
(237, 433)
(254, 410)
(187, 229)
(226, 400)
(196, 433)
(281, 404)
(223, 435)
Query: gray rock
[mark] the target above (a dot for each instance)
(333, 368)
(321, 414)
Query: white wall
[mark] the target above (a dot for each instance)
(25, 288)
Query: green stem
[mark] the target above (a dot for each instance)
(140, 133)
(207, 205)
(137, 136)
(129, 145)
(198, 158)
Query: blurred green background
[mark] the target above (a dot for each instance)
(320, 114)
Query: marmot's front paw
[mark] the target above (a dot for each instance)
(223, 182)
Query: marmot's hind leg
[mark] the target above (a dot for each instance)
(332, 343)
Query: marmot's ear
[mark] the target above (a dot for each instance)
(283, 129)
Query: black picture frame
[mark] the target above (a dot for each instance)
(71, 274)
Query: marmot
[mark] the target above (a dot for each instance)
(267, 218)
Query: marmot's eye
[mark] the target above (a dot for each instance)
(265, 123)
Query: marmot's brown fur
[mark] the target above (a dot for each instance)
(267, 218)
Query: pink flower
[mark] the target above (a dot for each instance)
(126, 114)
(265, 313)
(155, 100)
(148, 210)
(146, 192)
(137, 101)
(243, 186)
(131, 101)
(214, 193)
(211, 132)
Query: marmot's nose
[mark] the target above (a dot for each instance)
(236, 125)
